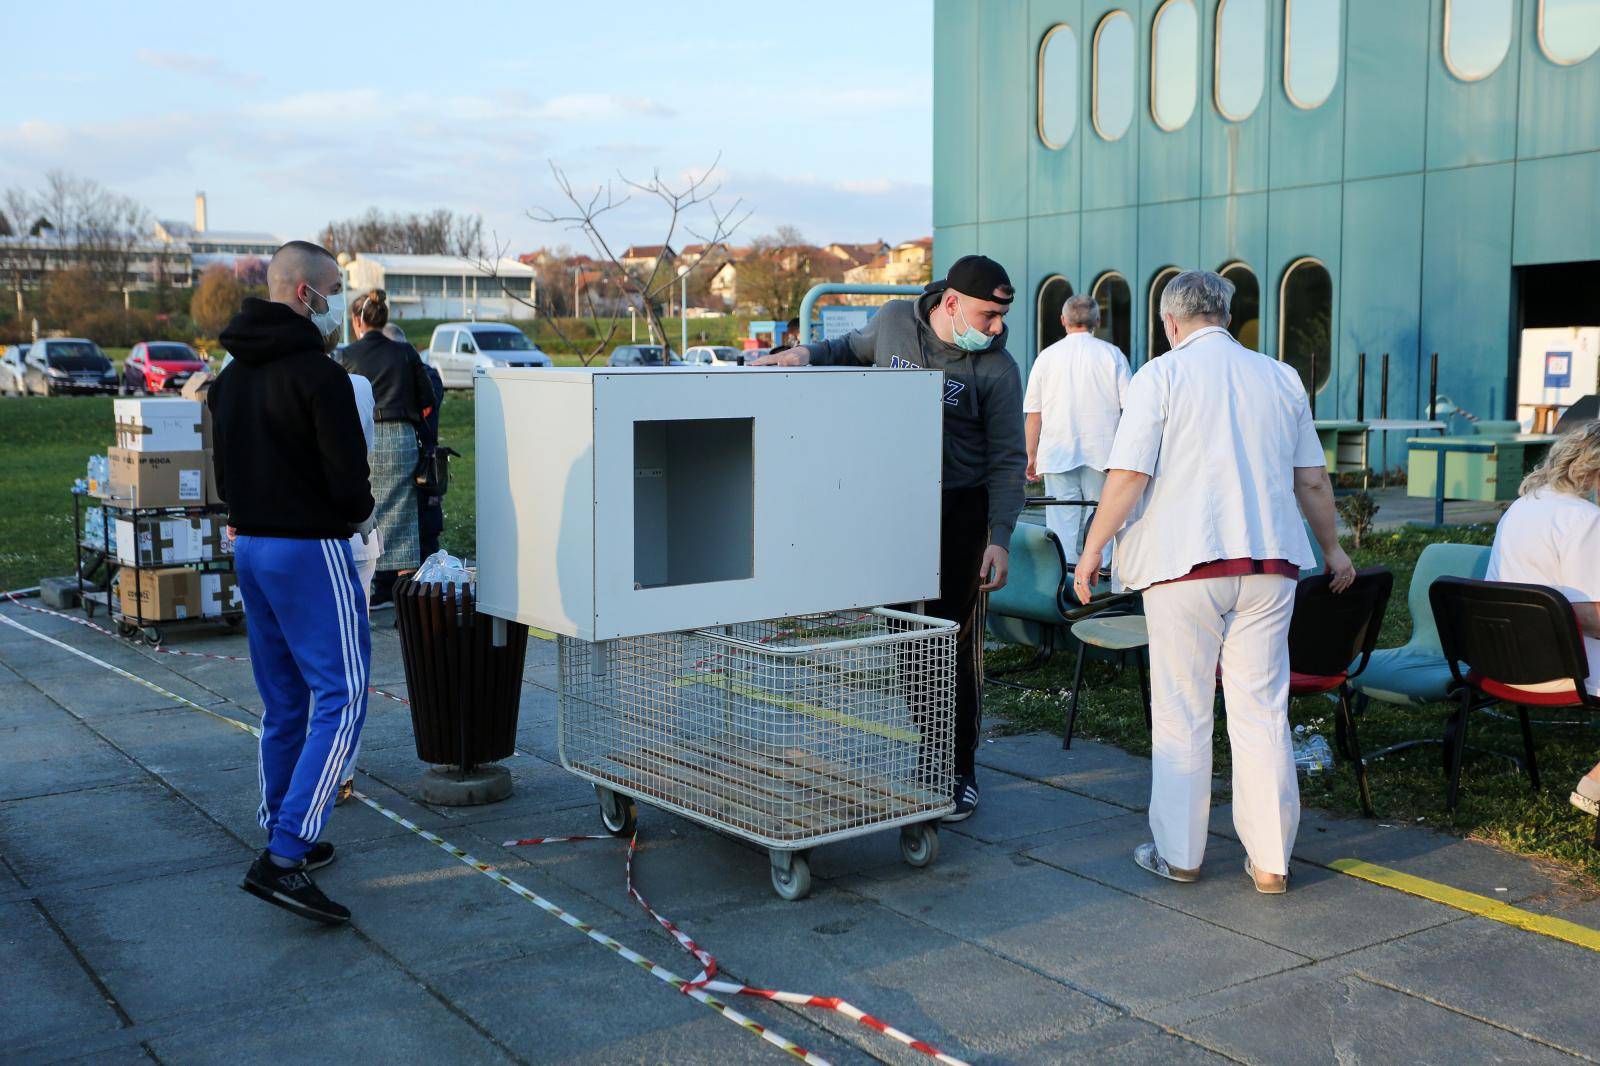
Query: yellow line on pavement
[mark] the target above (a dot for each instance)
(1472, 903)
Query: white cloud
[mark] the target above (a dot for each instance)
(195, 64)
(601, 107)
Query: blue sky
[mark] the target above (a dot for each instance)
(291, 115)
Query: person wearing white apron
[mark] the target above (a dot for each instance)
(1215, 449)
(366, 545)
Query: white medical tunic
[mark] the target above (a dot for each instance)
(1220, 430)
(1552, 538)
(1077, 387)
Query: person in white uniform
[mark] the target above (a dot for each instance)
(366, 546)
(1215, 449)
(1551, 536)
(1074, 398)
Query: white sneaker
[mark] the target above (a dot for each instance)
(1149, 859)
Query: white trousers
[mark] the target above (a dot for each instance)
(1243, 623)
(1070, 523)
(366, 555)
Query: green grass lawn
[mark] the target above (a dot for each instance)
(47, 441)
(1496, 804)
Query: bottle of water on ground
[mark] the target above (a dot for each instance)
(1312, 753)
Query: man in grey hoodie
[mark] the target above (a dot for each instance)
(958, 326)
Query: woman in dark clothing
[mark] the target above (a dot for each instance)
(402, 399)
(430, 506)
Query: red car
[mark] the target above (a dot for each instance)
(159, 366)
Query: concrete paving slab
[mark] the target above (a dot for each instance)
(23, 705)
(172, 737)
(950, 993)
(94, 694)
(1124, 949)
(557, 1004)
(1520, 981)
(63, 839)
(1012, 807)
(1095, 770)
(193, 943)
(60, 757)
(1349, 1019)
(383, 1019)
(1322, 914)
(45, 995)
(536, 785)
(1124, 1042)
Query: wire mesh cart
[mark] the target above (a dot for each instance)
(787, 733)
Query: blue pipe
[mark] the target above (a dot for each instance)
(834, 289)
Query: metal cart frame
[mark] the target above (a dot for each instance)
(787, 734)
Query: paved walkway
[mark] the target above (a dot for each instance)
(126, 823)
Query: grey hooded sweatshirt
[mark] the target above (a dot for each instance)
(983, 443)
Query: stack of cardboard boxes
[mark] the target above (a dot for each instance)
(162, 459)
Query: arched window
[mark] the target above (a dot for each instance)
(1111, 292)
(1058, 86)
(1244, 314)
(1156, 344)
(1241, 57)
(1174, 63)
(1310, 51)
(1114, 62)
(1569, 30)
(1305, 321)
(1477, 36)
(1052, 294)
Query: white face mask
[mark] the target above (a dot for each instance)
(327, 322)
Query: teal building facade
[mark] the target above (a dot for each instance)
(1377, 176)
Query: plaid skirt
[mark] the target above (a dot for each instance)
(393, 461)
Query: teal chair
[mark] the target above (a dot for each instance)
(1416, 672)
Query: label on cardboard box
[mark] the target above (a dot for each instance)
(190, 484)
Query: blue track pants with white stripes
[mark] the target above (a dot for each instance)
(310, 650)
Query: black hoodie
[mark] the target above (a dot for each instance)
(289, 454)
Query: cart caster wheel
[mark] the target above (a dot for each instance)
(152, 636)
(793, 880)
(919, 844)
(233, 621)
(617, 812)
(126, 631)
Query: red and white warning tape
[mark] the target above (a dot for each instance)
(709, 970)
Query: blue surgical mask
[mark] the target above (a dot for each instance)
(966, 338)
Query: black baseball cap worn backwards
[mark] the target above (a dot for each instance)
(977, 276)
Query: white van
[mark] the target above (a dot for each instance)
(458, 350)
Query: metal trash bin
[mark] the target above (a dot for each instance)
(787, 733)
(464, 691)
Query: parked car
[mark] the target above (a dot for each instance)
(159, 366)
(12, 369)
(712, 355)
(642, 355)
(66, 365)
(458, 350)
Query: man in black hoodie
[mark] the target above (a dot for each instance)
(291, 464)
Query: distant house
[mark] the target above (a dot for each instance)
(445, 286)
(907, 263)
(725, 283)
(641, 259)
(854, 255)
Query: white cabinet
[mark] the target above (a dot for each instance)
(614, 502)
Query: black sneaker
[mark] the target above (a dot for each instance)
(320, 855)
(966, 799)
(293, 890)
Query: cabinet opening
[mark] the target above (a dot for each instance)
(693, 501)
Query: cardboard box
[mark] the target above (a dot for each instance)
(159, 479)
(160, 595)
(165, 541)
(158, 425)
(219, 594)
(197, 388)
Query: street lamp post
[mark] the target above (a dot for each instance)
(633, 324)
(344, 287)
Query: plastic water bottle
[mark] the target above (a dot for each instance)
(1312, 753)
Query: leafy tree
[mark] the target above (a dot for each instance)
(217, 297)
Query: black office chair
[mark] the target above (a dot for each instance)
(1331, 637)
(1509, 636)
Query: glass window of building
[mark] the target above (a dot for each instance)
(1241, 57)
(1052, 294)
(1569, 30)
(1058, 86)
(1114, 66)
(1310, 51)
(1244, 313)
(1174, 63)
(1305, 321)
(1156, 344)
(1477, 36)
(1111, 292)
